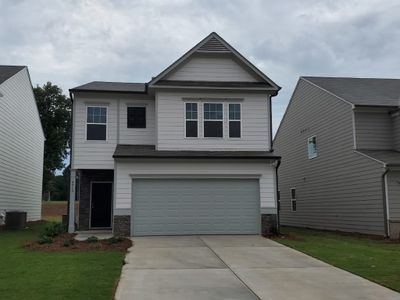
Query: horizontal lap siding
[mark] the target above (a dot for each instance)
(394, 195)
(212, 68)
(337, 190)
(171, 118)
(125, 169)
(21, 148)
(396, 131)
(373, 130)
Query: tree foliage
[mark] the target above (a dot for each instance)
(55, 115)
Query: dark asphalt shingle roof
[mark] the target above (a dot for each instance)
(361, 91)
(389, 157)
(149, 151)
(105, 86)
(9, 71)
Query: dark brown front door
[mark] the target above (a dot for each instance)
(101, 203)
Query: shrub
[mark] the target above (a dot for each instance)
(44, 239)
(92, 239)
(54, 229)
(115, 240)
(68, 242)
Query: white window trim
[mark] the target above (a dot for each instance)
(198, 121)
(219, 120)
(316, 148)
(292, 200)
(240, 120)
(87, 123)
(136, 105)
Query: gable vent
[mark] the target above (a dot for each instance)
(213, 45)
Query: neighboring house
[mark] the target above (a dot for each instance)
(187, 153)
(339, 141)
(21, 144)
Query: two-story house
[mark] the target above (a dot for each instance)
(339, 141)
(187, 153)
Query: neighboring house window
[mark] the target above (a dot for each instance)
(191, 124)
(234, 120)
(293, 199)
(312, 147)
(213, 120)
(96, 123)
(137, 117)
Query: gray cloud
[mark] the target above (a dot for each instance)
(73, 42)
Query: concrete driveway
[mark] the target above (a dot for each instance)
(234, 267)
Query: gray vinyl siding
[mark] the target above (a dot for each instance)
(210, 67)
(396, 131)
(21, 147)
(393, 183)
(373, 130)
(337, 190)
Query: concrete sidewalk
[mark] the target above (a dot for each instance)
(234, 267)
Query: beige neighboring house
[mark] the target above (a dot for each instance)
(21, 144)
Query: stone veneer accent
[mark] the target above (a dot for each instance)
(394, 233)
(85, 177)
(122, 226)
(269, 225)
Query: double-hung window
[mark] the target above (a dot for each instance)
(136, 117)
(293, 199)
(312, 147)
(234, 120)
(191, 120)
(96, 123)
(213, 124)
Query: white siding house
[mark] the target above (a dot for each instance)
(21, 144)
(187, 153)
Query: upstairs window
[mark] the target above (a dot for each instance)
(191, 120)
(293, 199)
(312, 147)
(234, 120)
(213, 120)
(96, 123)
(137, 117)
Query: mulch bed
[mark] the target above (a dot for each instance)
(78, 246)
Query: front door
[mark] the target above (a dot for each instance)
(101, 203)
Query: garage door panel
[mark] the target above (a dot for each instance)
(195, 206)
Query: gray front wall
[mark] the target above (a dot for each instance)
(195, 206)
(339, 189)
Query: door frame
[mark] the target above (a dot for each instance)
(90, 204)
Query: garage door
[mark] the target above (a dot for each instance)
(195, 206)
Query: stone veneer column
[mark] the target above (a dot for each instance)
(269, 225)
(122, 226)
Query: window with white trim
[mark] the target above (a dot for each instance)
(293, 199)
(312, 147)
(191, 120)
(96, 123)
(213, 123)
(234, 120)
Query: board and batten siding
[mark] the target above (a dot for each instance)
(339, 189)
(21, 148)
(171, 121)
(98, 154)
(396, 130)
(393, 183)
(126, 170)
(373, 130)
(207, 67)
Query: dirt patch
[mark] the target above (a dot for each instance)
(289, 237)
(54, 208)
(59, 245)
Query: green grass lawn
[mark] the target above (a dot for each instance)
(375, 259)
(40, 275)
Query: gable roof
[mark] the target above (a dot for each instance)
(213, 43)
(118, 87)
(7, 72)
(361, 91)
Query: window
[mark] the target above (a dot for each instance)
(213, 120)
(96, 123)
(293, 199)
(191, 116)
(137, 117)
(312, 147)
(234, 120)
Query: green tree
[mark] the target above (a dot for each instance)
(55, 115)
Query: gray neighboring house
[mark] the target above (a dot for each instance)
(21, 144)
(340, 140)
(187, 153)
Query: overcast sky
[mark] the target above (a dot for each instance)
(73, 42)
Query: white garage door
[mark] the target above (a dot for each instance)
(195, 206)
